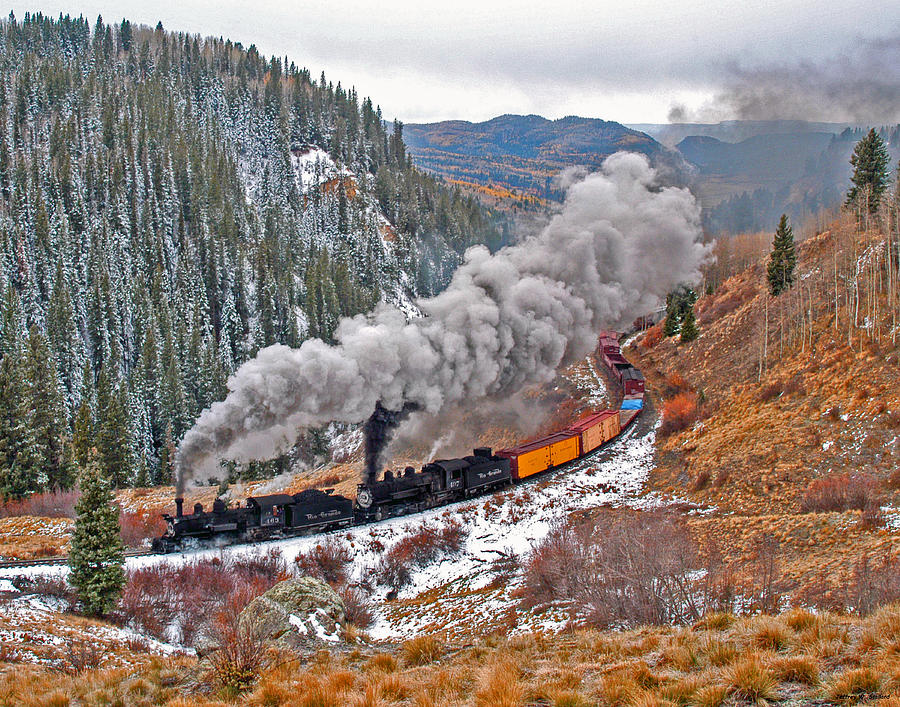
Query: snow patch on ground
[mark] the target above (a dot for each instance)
(314, 167)
(34, 629)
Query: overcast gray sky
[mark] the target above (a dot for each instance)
(631, 61)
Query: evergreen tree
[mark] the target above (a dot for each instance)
(20, 452)
(48, 420)
(870, 173)
(678, 302)
(96, 555)
(783, 259)
(114, 440)
(671, 325)
(689, 330)
(83, 442)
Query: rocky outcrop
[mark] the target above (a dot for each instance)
(297, 613)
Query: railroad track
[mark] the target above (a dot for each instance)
(60, 560)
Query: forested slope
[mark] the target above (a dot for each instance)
(168, 206)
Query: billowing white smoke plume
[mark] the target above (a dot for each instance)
(507, 320)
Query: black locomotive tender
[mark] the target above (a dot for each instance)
(313, 511)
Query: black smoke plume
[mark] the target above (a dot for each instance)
(377, 431)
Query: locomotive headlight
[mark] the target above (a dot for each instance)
(364, 498)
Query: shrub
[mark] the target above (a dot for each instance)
(679, 413)
(358, 608)
(80, 656)
(327, 561)
(841, 492)
(138, 527)
(639, 569)
(874, 583)
(652, 336)
(47, 585)
(50, 504)
(241, 653)
(171, 603)
(418, 549)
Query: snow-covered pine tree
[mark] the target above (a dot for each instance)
(96, 554)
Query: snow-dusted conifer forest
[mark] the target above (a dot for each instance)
(168, 206)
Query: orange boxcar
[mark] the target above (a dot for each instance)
(596, 429)
(535, 457)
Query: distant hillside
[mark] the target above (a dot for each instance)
(671, 134)
(746, 186)
(521, 153)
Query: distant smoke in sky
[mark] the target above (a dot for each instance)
(862, 86)
(507, 320)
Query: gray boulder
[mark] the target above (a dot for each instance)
(297, 613)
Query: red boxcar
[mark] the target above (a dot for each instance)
(632, 381)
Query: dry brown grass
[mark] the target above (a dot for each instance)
(720, 661)
(421, 650)
(750, 679)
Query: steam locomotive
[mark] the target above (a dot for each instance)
(314, 511)
(437, 483)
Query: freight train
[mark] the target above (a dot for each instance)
(437, 483)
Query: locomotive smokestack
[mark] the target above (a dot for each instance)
(179, 507)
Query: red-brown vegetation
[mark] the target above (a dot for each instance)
(175, 602)
(652, 336)
(412, 551)
(139, 527)
(679, 413)
(327, 561)
(842, 492)
(51, 504)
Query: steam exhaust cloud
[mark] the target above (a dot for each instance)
(861, 85)
(507, 320)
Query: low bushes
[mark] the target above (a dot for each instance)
(628, 568)
(327, 561)
(139, 527)
(679, 413)
(842, 492)
(51, 504)
(398, 563)
(174, 603)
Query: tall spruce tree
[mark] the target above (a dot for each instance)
(96, 555)
(48, 408)
(114, 439)
(783, 259)
(870, 173)
(83, 442)
(689, 330)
